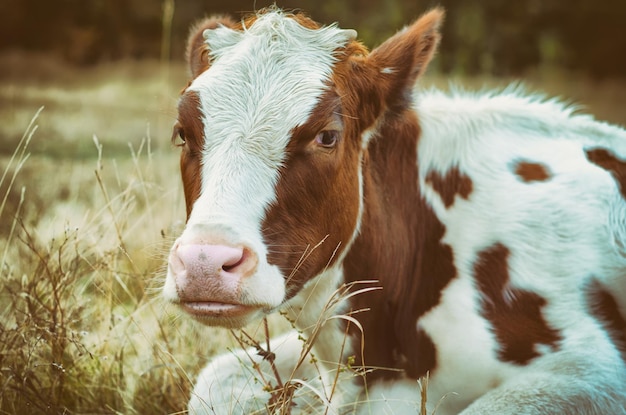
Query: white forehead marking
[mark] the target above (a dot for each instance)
(263, 82)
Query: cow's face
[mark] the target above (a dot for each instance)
(273, 130)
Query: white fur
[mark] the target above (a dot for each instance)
(559, 232)
(230, 385)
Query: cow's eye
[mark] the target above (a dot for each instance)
(178, 136)
(327, 138)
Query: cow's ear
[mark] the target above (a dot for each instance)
(197, 47)
(401, 59)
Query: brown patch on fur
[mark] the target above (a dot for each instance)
(452, 184)
(532, 172)
(604, 308)
(515, 314)
(190, 122)
(607, 160)
(400, 246)
(317, 199)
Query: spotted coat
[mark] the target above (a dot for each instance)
(485, 232)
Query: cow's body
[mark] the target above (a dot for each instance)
(494, 225)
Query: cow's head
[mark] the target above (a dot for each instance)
(273, 129)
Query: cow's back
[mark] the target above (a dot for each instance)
(532, 201)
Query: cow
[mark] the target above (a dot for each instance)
(476, 240)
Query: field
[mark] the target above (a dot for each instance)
(90, 201)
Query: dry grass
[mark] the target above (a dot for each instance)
(89, 204)
(80, 249)
(82, 242)
(117, 102)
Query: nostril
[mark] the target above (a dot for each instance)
(208, 261)
(243, 265)
(234, 262)
(229, 268)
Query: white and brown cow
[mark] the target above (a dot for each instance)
(494, 225)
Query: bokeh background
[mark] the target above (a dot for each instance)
(495, 37)
(90, 195)
(574, 49)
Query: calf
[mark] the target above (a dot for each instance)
(477, 238)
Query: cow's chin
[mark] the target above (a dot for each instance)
(226, 300)
(232, 316)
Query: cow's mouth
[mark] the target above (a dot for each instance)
(203, 310)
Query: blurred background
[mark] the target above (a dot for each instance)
(480, 36)
(127, 56)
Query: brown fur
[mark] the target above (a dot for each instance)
(604, 308)
(608, 161)
(515, 314)
(407, 54)
(532, 172)
(190, 123)
(452, 184)
(384, 79)
(306, 214)
(399, 241)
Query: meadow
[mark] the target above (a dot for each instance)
(90, 201)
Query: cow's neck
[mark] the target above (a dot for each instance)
(398, 245)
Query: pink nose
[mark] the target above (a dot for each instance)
(209, 260)
(210, 272)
